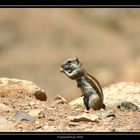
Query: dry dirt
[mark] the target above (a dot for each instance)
(22, 111)
(33, 44)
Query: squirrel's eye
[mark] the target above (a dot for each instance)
(68, 62)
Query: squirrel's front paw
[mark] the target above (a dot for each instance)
(78, 85)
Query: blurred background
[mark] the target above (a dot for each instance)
(34, 42)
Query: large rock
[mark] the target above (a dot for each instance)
(13, 87)
(118, 93)
(122, 92)
(84, 117)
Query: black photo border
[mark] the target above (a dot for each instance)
(71, 4)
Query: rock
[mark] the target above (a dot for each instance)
(41, 114)
(13, 87)
(84, 117)
(4, 107)
(51, 118)
(128, 106)
(122, 92)
(105, 114)
(117, 93)
(60, 100)
(73, 124)
(32, 103)
(35, 112)
(110, 114)
(40, 95)
(20, 115)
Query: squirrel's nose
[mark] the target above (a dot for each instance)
(62, 66)
(61, 70)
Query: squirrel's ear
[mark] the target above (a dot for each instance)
(77, 59)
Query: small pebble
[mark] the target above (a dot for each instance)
(20, 115)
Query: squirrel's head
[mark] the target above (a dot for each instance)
(72, 66)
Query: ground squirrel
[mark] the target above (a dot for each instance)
(89, 85)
